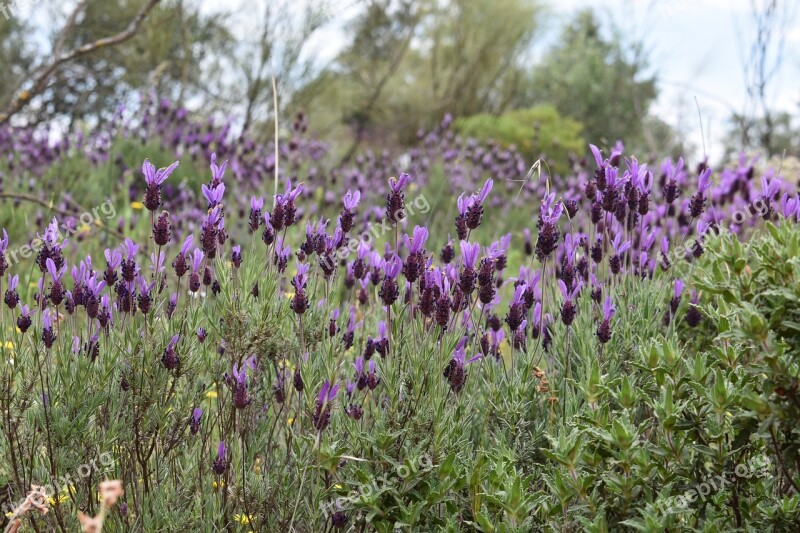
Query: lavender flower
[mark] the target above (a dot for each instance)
(351, 200)
(154, 179)
(789, 205)
(414, 264)
(568, 308)
(194, 423)
(161, 229)
(11, 297)
(395, 200)
(240, 397)
(469, 257)
(194, 277)
(3, 248)
(221, 462)
(389, 291)
(48, 337)
(549, 233)
(693, 314)
(236, 256)
(256, 205)
(474, 213)
(179, 264)
(113, 261)
(24, 320)
(170, 358)
(322, 411)
(604, 330)
(615, 262)
(455, 372)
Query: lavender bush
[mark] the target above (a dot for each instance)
(529, 352)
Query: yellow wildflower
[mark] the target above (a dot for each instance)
(243, 519)
(137, 205)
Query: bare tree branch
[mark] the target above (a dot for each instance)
(39, 84)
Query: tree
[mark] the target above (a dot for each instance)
(106, 50)
(599, 81)
(410, 62)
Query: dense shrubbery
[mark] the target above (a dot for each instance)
(241, 363)
(538, 131)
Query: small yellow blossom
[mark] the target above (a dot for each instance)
(57, 500)
(211, 394)
(243, 519)
(217, 485)
(290, 420)
(137, 205)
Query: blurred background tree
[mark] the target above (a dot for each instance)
(603, 82)
(396, 67)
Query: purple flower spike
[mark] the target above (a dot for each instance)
(469, 253)
(187, 243)
(789, 205)
(351, 199)
(194, 423)
(770, 188)
(417, 242)
(620, 249)
(55, 274)
(678, 288)
(393, 266)
(221, 462)
(484, 192)
(608, 309)
(213, 195)
(155, 177)
(217, 172)
(704, 182)
(131, 248)
(397, 184)
(197, 259)
(256, 204)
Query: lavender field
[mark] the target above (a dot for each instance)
(210, 325)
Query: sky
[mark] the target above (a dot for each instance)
(696, 50)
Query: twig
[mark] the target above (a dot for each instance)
(275, 111)
(39, 84)
(780, 459)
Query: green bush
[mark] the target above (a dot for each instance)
(536, 132)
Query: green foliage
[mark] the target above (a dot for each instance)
(538, 132)
(597, 80)
(757, 290)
